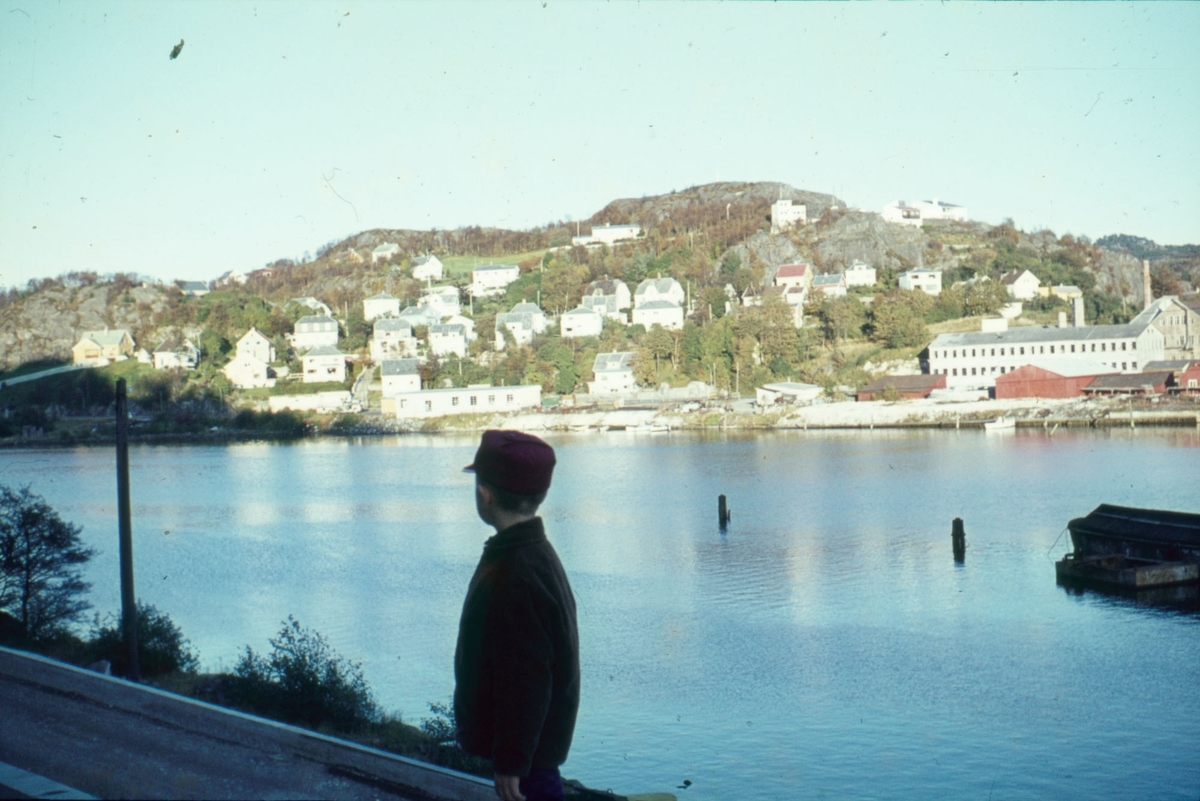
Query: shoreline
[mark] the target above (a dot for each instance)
(1044, 414)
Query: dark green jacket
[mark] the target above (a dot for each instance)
(516, 667)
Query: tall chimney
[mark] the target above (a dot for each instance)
(1146, 283)
(1078, 304)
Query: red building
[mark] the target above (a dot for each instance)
(1134, 384)
(905, 386)
(1028, 381)
(1188, 381)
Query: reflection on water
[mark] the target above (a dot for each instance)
(825, 644)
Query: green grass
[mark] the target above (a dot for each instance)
(462, 265)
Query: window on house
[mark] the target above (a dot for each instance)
(1072, 349)
(429, 406)
(509, 399)
(973, 371)
(491, 399)
(1022, 351)
(954, 371)
(1135, 365)
(1052, 349)
(1123, 345)
(1001, 371)
(474, 400)
(454, 401)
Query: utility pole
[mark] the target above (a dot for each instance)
(125, 535)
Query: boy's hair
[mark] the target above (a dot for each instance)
(516, 501)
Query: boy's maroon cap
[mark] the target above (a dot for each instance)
(513, 461)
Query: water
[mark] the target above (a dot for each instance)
(825, 646)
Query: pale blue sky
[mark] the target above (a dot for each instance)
(282, 126)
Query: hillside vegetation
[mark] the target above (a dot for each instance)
(714, 239)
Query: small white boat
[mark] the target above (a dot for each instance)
(649, 427)
(1003, 423)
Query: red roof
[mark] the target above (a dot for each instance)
(793, 270)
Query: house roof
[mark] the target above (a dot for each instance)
(660, 285)
(828, 280)
(386, 247)
(448, 329)
(323, 350)
(1065, 288)
(916, 270)
(112, 336)
(1174, 365)
(496, 267)
(580, 310)
(789, 387)
(439, 290)
(652, 305)
(610, 362)
(616, 225)
(527, 308)
(254, 332)
(420, 261)
(605, 286)
(382, 296)
(173, 344)
(1011, 278)
(1024, 334)
(399, 366)
(393, 324)
(793, 270)
(607, 303)
(904, 383)
(1160, 305)
(313, 319)
(511, 319)
(1118, 381)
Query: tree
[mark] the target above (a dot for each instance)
(898, 318)
(41, 561)
(162, 648)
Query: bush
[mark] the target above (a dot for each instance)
(162, 648)
(303, 681)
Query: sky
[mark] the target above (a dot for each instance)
(282, 126)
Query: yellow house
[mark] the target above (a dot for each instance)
(1067, 292)
(96, 347)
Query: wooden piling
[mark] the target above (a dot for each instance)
(125, 535)
(723, 514)
(959, 539)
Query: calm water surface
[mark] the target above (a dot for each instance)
(826, 645)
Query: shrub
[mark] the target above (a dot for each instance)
(303, 681)
(162, 648)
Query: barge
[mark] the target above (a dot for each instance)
(1133, 548)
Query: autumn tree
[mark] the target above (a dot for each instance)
(41, 565)
(898, 318)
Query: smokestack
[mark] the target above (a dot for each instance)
(1062, 319)
(1146, 283)
(1078, 304)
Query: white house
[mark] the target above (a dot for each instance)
(1021, 285)
(521, 324)
(939, 210)
(492, 279)
(324, 363)
(610, 287)
(255, 343)
(447, 338)
(444, 300)
(659, 289)
(399, 375)
(613, 374)
(580, 322)
(608, 234)
(173, 354)
(314, 331)
(381, 305)
(794, 275)
(384, 252)
(466, 322)
(928, 281)
(860, 274)
(392, 337)
(658, 312)
(468, 400)
(538, 316)
(900, 212)
(427, 268)
(786, 213)
(248, 372)
(974, 358)
(832, 285)
(193, 289)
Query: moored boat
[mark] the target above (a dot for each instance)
(1133, 547)
(1002, 423)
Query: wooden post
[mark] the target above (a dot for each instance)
(723, 514)
(959, 539)
(125, 533)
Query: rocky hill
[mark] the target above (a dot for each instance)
(709, 223)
